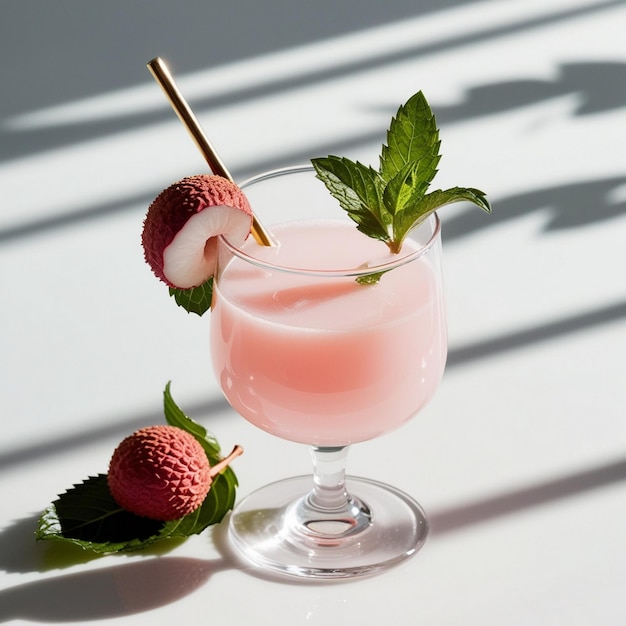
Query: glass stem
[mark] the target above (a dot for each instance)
(329, 512)
(329, 479)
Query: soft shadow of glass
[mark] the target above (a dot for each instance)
(108, 592)
(20, 553)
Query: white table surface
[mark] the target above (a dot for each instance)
(520, 460)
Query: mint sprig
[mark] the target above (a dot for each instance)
(388, 203)
(87, 515)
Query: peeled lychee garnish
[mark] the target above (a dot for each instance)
(182, 223)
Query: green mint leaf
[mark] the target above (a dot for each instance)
(88, 516)
(358, 188)
(387, 204)
(370, 279)
(431, 202)
(195, 300)
(404, 190)
(412, 137)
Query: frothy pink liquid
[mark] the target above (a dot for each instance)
(327, 361)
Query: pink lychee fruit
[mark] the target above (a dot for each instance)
(182, 224)
(162, 472)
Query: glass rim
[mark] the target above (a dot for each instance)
(345, 272)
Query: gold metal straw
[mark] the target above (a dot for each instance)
(162, 75)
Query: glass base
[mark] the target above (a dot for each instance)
(383, 528)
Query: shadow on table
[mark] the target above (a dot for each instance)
(599, 86)
(459, 517)
(594, 80)
(563, 207)
(573, 205)
(158, 579)
(106, 428)
(108, 592)
(566, 206)
(576, 204)
(495, 346)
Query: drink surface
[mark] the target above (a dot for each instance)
(324, 360)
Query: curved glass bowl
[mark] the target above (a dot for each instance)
(326, 339)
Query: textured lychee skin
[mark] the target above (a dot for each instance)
(171, 209)
(160, 472)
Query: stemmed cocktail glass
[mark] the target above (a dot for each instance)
(326, 339)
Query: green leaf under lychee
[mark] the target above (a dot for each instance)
(196, 299)
(88, 516)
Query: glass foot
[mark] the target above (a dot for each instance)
(278, 529)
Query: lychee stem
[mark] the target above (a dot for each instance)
(216, 469)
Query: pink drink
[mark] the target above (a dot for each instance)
(320, 359)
